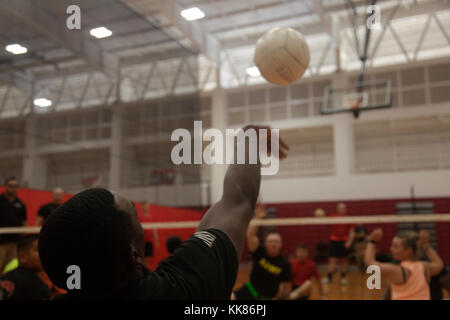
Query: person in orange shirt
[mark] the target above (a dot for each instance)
(341, 240)
(410, 279)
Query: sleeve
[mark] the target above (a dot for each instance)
(203, 268)
(24, 212)
(286, 273)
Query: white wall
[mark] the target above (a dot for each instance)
(357, 187)
(175, 195)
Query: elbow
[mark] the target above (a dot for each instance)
(440, 265)
(368, 261)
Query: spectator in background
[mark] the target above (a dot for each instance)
(341, 240)
(359, 245)
(24, 282)
(172, 243)
(13, 213)
(46, 209)
(150, 236)
(270, 277)
(303, 271)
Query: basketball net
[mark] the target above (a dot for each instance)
(353, 101)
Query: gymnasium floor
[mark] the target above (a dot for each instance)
(354, 290)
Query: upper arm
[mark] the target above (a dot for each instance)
(252, 240)
(392, 272)
(433, 268)
(230, 217)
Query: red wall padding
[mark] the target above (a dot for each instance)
(33, 200)
(292, 235)
(311, 235)
(167, 214)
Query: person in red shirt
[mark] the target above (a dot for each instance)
(303, 270)
(341, 240)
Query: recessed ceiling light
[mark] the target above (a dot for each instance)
(100, 32)
(253, 72)
(192, 14)
(16, 48)
(42, 102)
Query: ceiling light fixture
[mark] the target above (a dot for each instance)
(16, 48)
(42, 102)
(253, 72)
(192, 14)
(100, 32)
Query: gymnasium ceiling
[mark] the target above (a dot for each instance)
(76, 70)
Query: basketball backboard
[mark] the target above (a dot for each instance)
(357, 97)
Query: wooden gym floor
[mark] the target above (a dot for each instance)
(355, 289)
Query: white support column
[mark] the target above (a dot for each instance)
(218, 121)
(34, 171)
(343, 134)
(343, 145)
(116, 150)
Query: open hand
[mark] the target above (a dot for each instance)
(424, 238)
(283, 147)
(260, 212)
(376, 235)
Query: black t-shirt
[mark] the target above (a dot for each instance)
(203, 268)
(12, 214)
(22, 284)
(268, 272)
(46, 209)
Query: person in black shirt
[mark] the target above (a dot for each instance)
(173, 243)
(99, 232)
(46, 209)
(12, 214)
(24, 282)
(271, 273)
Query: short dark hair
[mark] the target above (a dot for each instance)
(91, 232)
(302, 246)
(25, 242)
(9, 179)
(172, 243)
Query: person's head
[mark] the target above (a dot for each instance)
(342, 209)
(11, 186)
(172, 243)
(28, 254)
(404, 246)
(58, 194)
(273, 244)
(301, 252)
(99, 232)
(145, 208)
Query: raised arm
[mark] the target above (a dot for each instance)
(252, 231)
(351, 238)
(435, 264)
(392, 272)
(234, 211)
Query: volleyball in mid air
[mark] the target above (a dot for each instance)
(282, 55)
